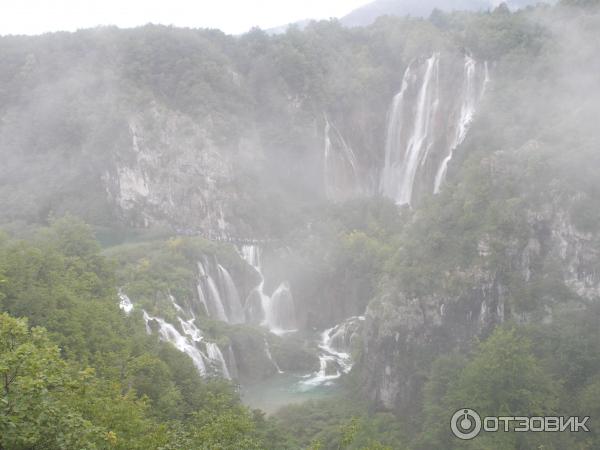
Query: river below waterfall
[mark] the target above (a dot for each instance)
(283, 389)
(291, 388)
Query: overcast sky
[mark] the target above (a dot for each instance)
(231, 16)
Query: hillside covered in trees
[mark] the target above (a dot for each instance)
(331, 238)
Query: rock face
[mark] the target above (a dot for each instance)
(172, 172)
(403, 333)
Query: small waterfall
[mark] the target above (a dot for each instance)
(250, 254)
(124, 302)
(178, 308)
(409, 137)
(201, 295)
(277, 311)
(231, 363)
(280, 313)
(340, 166)
(334, 359)
(209, 294)
(169, 333)
(270, 356)
(214, 353)
(338, 340)
(190, 329)
(254, 308)
(235, 310)
(472, 92)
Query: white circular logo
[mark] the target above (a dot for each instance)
(465, 424)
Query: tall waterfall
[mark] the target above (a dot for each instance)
(340, 166)
(409, 136)
(426, 123)
(472, 92)
(277, 312)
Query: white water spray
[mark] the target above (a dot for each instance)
(426, 125)
(169, 333)
(215, 354)
(278, 311)
(472, 92)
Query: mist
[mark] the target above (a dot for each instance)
(341, 233)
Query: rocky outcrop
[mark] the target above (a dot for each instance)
(546, 264)
(171, 173)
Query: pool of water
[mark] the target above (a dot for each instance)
(284, 389)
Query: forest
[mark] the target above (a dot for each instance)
(126, 151)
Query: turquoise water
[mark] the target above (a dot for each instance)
(281, 390)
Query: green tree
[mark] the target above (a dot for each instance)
(33, 413)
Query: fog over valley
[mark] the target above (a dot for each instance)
(376, 231)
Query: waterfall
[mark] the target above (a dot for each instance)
(124, 302)
(189, 342)
(338, 340)
(409, 136)
(277, 312)
(255, 312)
(231, 363)
(426, 125)
(169, 333)
(212, 298)
(270, 356)
(472, 91)
(340, 166)
(214, 353)
(280, 313)
(235, 310)
(190, 329)
(334, 358)
(218, 294)
(215, 300)
(178, 308)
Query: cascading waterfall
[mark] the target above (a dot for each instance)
(426, 125)
(190, 329)
(125, 303)
(169, 333)
(334, 359)
(472, 92)
(278, 311)
(178, 308)
(190, 342)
